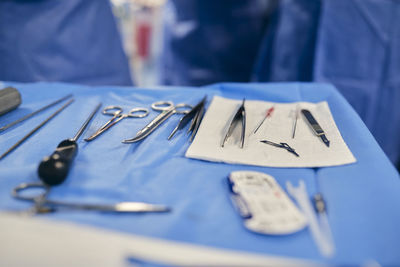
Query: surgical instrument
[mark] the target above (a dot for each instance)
(320, 208)
(53, 170)
(117, 116)
(281, 145)
(322, 236)
(44, 205)
(296, 115)
(196, 115)
(35, 129)
(10, 99)
(316, 128)
(268, 114)
(34, 113)
(167, 109)
(240, 115)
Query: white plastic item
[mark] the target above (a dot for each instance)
(320, 233)
(263, 204)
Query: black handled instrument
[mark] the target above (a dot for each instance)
(53, 170)
(10, 99)
(316, 128)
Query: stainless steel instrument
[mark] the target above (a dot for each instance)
(42, 204)
(167, 109)
(117, 116)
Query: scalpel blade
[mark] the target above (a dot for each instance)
(325, 140)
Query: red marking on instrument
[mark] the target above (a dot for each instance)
(269, 112)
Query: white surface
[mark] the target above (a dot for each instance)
(27, 241)
(277, 128)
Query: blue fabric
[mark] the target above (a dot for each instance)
(362, 197)
(208, 41)
(349, 43)
(364, 63)
(65, 40)
(287, 51)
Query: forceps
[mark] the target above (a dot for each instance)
(281, 145)
(167, 109)
(42, 204)
(239, 117)
(117, 116)
(195, 115)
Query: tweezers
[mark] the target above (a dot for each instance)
(240, 115)
(281, 145)
(195, 115)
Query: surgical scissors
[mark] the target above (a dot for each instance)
(45, 205)
(167, 109)
(117, 116)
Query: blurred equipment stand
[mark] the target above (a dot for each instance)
(139, 22)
